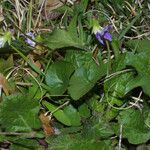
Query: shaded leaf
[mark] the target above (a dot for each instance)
(24, 144)
(134, 128)
(58, 113)
(141, 63)
(19, 113)
(77, 142)
(86, 75)
(73, 115)
(98, 128)
(6, 64)
(84, 111)
(60, 39)
(57, 77)
(139, 45)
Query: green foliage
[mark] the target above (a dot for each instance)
(141, 63)
(19, 113)
(86, 75)
(139, 45)
(77, 142)
(57, 77)
(73, 115)
(58, 113)
(60, 39)
(5, 65)
(69, 78)
(98, 127)
(84, 111)
(68, 116)
(134, 128)
(24, 144)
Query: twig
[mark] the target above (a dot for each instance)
(120, 138)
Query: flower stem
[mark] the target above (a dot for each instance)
(109, 58)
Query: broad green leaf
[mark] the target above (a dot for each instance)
(98, 128)
(139, 45)
(58, 113)
(5, 38)
(60, 39)
(115, 45)
(116, 87)
(19, 113)
(86, 75)
(77, 142)
(71, 130)
(141, 63)
(84, 111)
(73, 115)
(6, 64)
(2, 138)
(72, 26)
(35, 91)
(57, 77)
(95, 104)
(81, 7)
(134, 128)
(24, 144)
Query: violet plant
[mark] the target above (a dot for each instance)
(102, 33)
(29, 41)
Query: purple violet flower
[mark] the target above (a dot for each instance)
(103, 34)
(29, 41)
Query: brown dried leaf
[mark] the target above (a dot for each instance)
(4, 84)
(48, 129)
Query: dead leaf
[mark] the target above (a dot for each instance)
(48, 129)
(4, 85)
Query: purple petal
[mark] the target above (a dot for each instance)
(108, 36)
(30, 34)
(30, 42)
(99, 38)
(107, 28)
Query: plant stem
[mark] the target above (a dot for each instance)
(109, 59)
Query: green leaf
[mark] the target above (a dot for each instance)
(60, 39)
(98, 128)
(117, 86)
(73, 115)
(141, 63)
(6, 64)
(81, 7)
(58, 113)
(134, 128)
(35, 91)
(77, 142)
(72, 130)
(24, 144)
(57, 77)
(96, 105)
(139, 45)
(115, 45)
(72, 26)
(19, 113)
(84, 111)
(86, 75)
